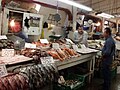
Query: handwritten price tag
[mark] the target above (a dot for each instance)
(3, 70)
(47, 60)
(8, 52)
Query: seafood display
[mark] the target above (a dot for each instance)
(62, 54)
(13, 82)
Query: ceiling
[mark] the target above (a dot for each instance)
(107, 6)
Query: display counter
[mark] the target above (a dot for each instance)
(74, 61)
(90, 58)
(64, 57)
(60, 64)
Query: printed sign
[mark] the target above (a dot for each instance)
(44, 41)
(29, 45)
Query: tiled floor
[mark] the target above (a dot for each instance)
(96, 84)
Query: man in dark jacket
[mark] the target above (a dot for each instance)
(108, 52)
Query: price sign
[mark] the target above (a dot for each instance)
(55, 45)
(8, 52)
(3, 70)
(75, 47)
(47, 60)
(29, 45)
(44, 41)
(3, 37)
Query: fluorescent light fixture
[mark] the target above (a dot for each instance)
(37, 7)
(105, 15)
(76, 4)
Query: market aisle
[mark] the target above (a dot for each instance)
(97, 84)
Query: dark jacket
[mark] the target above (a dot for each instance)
(108, 50)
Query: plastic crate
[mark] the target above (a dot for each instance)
(79, 78)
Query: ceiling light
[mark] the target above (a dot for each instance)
(105, 15)
(76, 4)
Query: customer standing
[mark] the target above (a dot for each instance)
(108, 52)
(80, 36)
